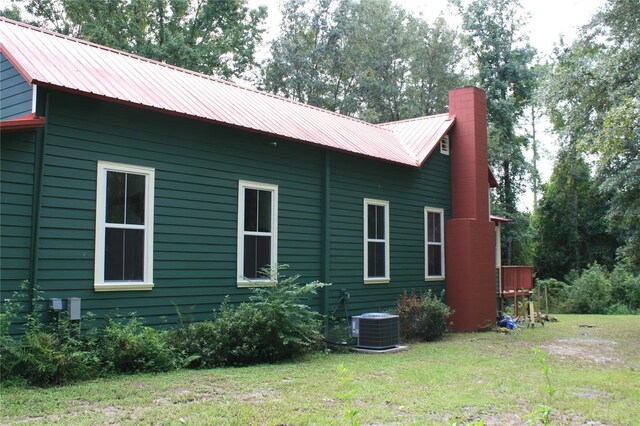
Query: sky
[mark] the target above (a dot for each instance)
(549, 20)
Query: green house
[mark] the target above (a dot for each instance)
(140, 187)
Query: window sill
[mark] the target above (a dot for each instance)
(256, 283)
(435, 278)
(377, 280)
(123, 286)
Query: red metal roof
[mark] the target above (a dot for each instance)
(499, 219)
(421, 135)
(26, 122)
(53, 60)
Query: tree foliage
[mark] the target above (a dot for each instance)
(503, 61)
(365, 58)
(570, 221)
(208, 36)
(593, 100)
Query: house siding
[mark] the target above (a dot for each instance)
(408, 192)
(16, 171)
(198, 166)
(197, 169)
(16, 93)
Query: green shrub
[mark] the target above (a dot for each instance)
(197, 344)
(618, 309)
(625, 289)
(422, 317)
(555, 292)
(54, 354)
(590, 293)
(9, 345)
(127, 346)
(246, 335)
(45, 353)
(275, 325)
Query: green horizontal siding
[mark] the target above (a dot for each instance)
(197, 168)
(408, 192)
(15, 92)
(16, 192)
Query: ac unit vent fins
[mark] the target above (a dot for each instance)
(377, 330)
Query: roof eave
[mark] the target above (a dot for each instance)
(25, 123)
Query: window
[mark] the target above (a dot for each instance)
(257, 232)
(444, 145)
(434, 243)
(376, 241)
(124, 227)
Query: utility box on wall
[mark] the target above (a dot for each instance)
(73, 308)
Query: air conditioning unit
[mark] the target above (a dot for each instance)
(376, 330)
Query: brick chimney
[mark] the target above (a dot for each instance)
(470, 235)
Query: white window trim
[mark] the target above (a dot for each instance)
(101, 200)
(34, 97)
(243, 281)
(376, 280)
(427, 277)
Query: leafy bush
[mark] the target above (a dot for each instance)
(246, 335)
(128, 346)
(299, 327)
(590, 293)
(625, 289)
(197, 344)
(45, 353)
(555, 292)
(10, 347)
(55, 354)
(275, 325)
(422, 317)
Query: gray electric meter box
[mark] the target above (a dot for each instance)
(55, 304)
(73, 308)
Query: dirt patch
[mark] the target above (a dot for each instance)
(591, 349)
(592, 393)
(470, 414)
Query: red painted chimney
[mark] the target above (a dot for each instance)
(470, 234)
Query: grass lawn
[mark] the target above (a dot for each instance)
(467, 377)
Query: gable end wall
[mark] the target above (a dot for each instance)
(15, 92)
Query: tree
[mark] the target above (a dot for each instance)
(571, 229)
(208, 36)
(503, 61)
(11, 12)
(365, 58)
(592, 98)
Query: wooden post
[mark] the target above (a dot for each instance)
(539, 303)
(515, 304)
(546, 302)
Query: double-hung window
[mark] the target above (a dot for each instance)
(434, 243)
(124, 227)
(376, 241)
(257, 233)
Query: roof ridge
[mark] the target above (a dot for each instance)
(183, 70)
(424, 117)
